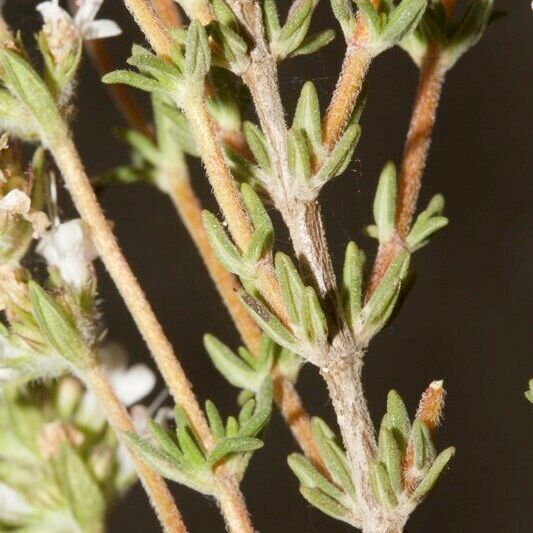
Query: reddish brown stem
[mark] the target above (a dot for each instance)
(414, 160)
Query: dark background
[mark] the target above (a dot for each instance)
(465, 320)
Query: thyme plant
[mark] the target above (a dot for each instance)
(66, 388)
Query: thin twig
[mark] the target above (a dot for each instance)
(119, 419)
(414, 160)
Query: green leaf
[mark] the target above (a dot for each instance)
(392, 459)
(224, 14)
(310, 477)
(380, 305)
(313, 43)
(190, 448)
(398, 418)
(291, 286)
(263, 410)
(269, 323)
(423, 447)
(307, 116)
(298, 155)
(343, 13)
(215, 421)
(352, 278)
(402, 21)
(340, 156)
(470, 30)
(318, 324)
(197, 53)
(83, 494)
(163, 71)
(224, 249)
(57, 327)
(232, 446)
(295, 29)
(232, 47)
(260, 244)
(142, 144)
(257, 143)
(370, 16)
(385, 203)
(529, 393)
(233, 368)
(181, 132)
(421, 231)
(164, 440)
(170, 467)
(324, 503)
(381, 486)
(271, 19)
(333, 457)
(433, 474)
(25, 84)
(255, 208)
(134, 79)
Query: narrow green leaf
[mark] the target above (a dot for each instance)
(232, 47)
(232, 446)
(224, 14)
(295, 29)
(133, 79)
(246, 412)
(197, 52)
(307, 116)
(163, 71)
(339, 157)
(324, 503)
(255, 208)
(422, 230)
(25, 84)
(291, 286)
(263, 410)
(392, 459)
(317, 318)
(232, 427)
(378, 306)
(336, 463)
(224, 249)
(257, 144)
(236, 372)
(215, 421)
(164, 440)
(370, 16)
(385, 202)
(434, 473)
(142, 145)
(298, 155)
(402, 21)
(313, 43)
(424, 449)
(57, 327)
(271, 19)
(310, 477)
(342, 11)
(269, 323)
(381, 486)
(352, 278)
(260, 244)
(398, 418)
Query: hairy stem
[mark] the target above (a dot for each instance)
(353, 72)
(119, 419)
(415, 156)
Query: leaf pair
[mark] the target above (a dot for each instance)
(243, 370)
(335, 494)
(292, 39)
(453, 38)
(407, 466)
(183, 458)
(243, 264)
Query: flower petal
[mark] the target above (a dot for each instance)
(133, 384)
(16, 202)
(12, 504)
(101, 29)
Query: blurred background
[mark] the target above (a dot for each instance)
(466, 318)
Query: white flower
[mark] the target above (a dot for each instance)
(69, 248)
(84, 20)
(17, 202)
(130, 384)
